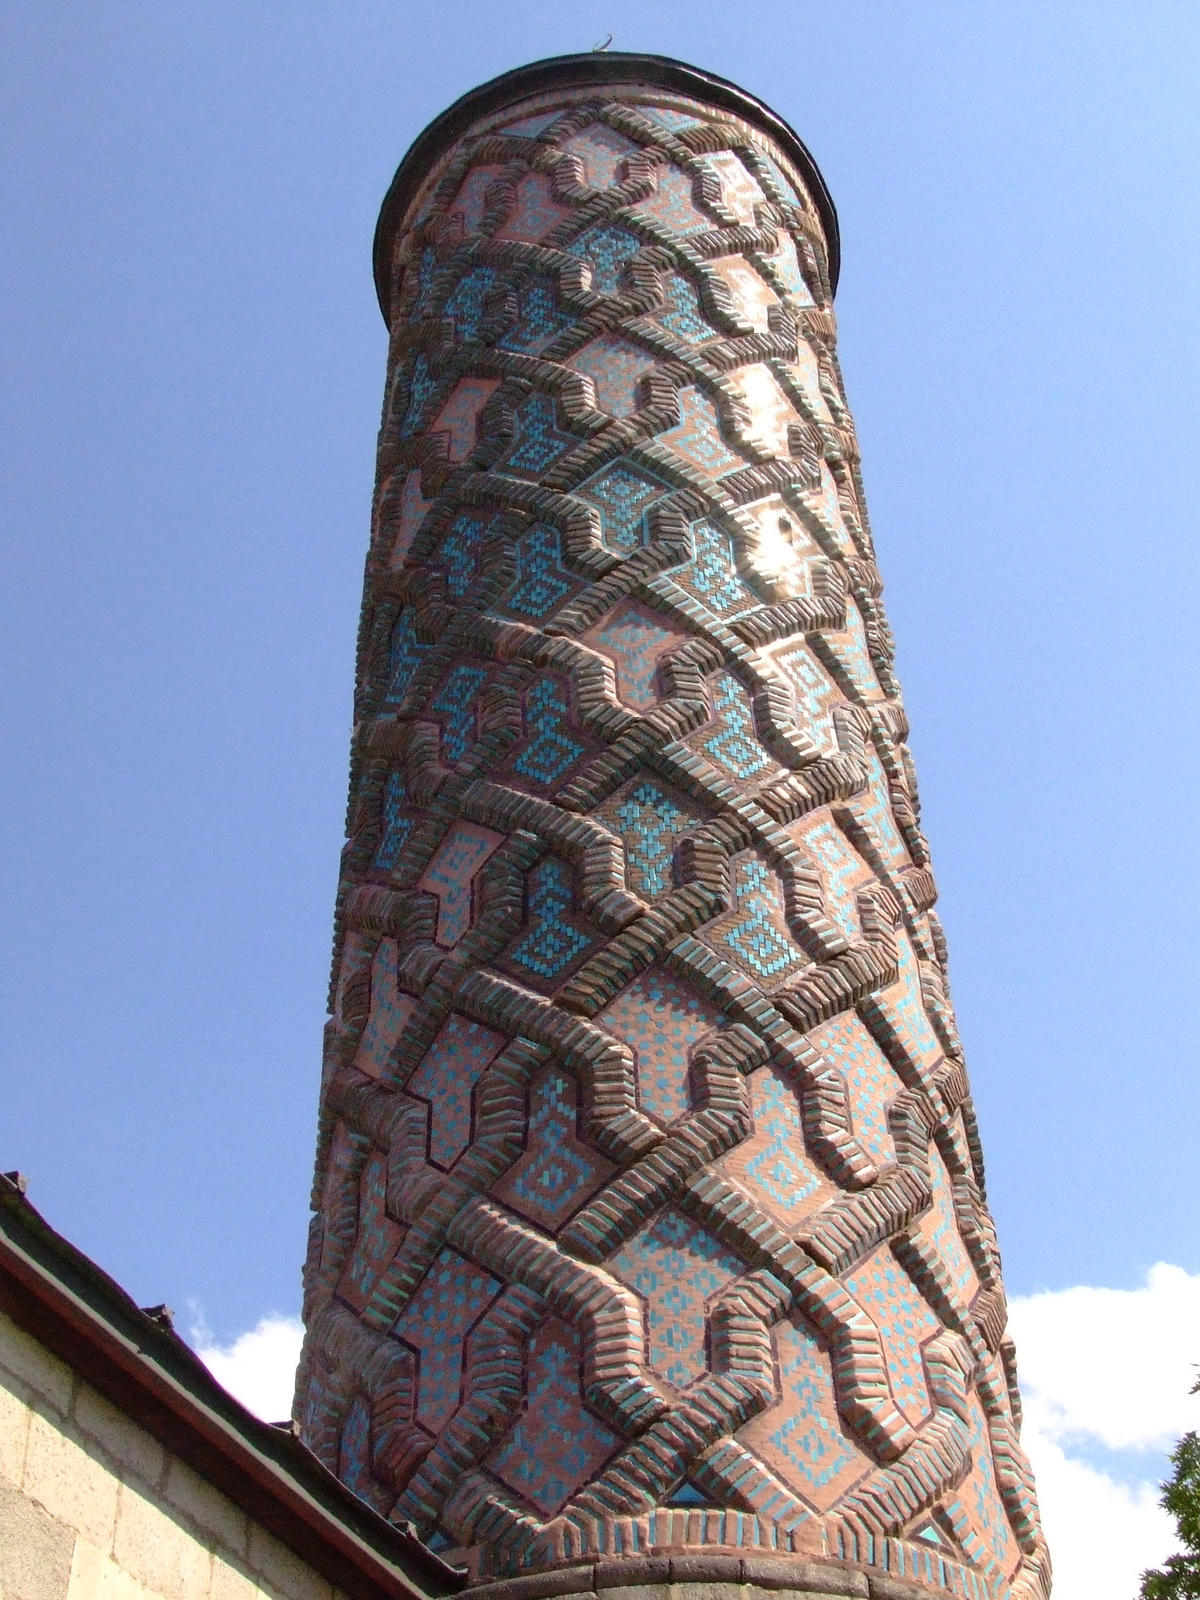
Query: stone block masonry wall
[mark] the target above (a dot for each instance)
(649, 1213)
(93, 1508)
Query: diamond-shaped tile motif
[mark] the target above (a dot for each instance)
(539, 440)
(712, 577)
(459, 553)
(773, 1164)
(661, 1019)
(552, 944)
(606, 250)
(542, 582)
(697, 438)
(448, 1301)
(734, 744)
(623, 496)
(801, 1437)
(557, 1172)
(540, 317)
(756, 936)
(456, 704)
(676, 1268)
(468, 302)
(455, 1061)
(556, 1444)
(649, 822)
(683, 312)
(451, 876)
(549, 751)
(843, 871)
(849, 647)
(635, 644)
(814, 692)
(905, 1322)
(870, 1079)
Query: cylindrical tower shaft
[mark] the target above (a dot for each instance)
(650, 1242)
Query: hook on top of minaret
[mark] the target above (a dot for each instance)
(599, 49)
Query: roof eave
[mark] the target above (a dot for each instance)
(60, 1297)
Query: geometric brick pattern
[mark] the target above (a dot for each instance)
(800, 1436)
(558, 1171)
(906, 1324)
(772, 1165)
(870, 1078)
(435, 1322)
(660, 1019)
(676, 1270)
(445, 1079)
(555, 1444)
(450, 877)
(649, 1210)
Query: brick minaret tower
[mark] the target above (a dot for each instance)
(650, 1245)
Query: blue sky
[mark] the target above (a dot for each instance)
(192, 370)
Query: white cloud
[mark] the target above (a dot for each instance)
(259, 1367)
(1107, 1369)
(1102, 1534)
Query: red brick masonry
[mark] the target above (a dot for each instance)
(649, 1217)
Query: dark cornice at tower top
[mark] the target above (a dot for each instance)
(599, 67)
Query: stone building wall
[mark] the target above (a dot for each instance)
(92, 1507)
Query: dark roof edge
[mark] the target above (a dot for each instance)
(607, 66)
(66, 1302)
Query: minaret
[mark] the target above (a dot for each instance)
(650, 1244)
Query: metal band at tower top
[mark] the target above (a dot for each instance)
(650, 1242)
(612, 68)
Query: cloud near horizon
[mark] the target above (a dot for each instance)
(259, 1367)
(1102, 1371)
